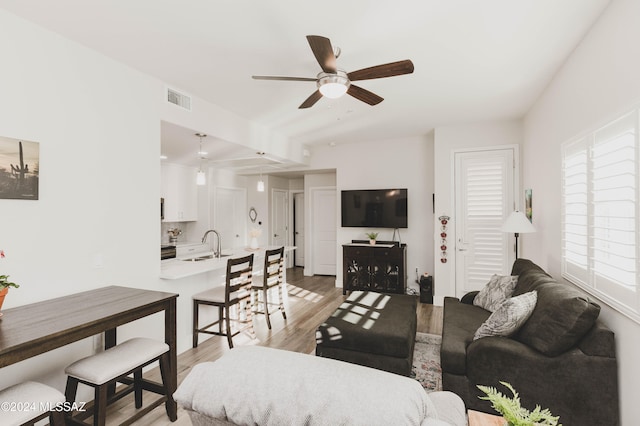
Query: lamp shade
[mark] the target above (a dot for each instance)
(517, 222)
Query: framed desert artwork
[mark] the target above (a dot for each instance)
(19, 169)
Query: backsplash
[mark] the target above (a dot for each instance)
(187, 234)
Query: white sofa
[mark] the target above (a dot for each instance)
(253, 385)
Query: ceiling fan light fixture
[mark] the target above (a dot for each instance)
(333, 86)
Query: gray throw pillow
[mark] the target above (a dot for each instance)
(562, 318)
(497, 290)
(509, 317)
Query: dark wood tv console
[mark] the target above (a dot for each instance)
(381, 267)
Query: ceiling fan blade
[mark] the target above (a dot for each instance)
(321, 48)
(364, 95)
(380, 71)
(311, 100)
(268, 77)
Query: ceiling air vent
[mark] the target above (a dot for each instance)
(179, 99)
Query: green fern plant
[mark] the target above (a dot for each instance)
(513, 412)
(372, 235)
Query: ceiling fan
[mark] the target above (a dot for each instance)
(333, 82)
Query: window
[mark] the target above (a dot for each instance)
(600, 213)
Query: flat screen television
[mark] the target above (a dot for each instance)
(374, 208)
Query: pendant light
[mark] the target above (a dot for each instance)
(260, 187)
(201, 177)
(260, 184)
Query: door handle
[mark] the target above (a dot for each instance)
(275, 235)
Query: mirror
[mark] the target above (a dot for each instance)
(253, 214)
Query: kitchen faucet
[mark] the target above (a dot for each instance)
(218, 252)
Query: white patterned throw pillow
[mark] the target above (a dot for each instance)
(498, 289)
(509, 317)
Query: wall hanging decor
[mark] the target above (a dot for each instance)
(443, 238)
(19, 169)
(528, 204)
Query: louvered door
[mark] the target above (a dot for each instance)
(484, 198)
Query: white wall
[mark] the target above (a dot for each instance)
(98, 127)
(447, 140)
(260, 201)
(397, 163)
(96, 222)
(599, 80)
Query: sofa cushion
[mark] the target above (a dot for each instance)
(523, 265)
(497, 290)
(531, 280)
(460, 323)
(530, 276)
(560, 319)
(509, 317)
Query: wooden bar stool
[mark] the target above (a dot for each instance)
(115, 364)
(236, 292)
(272, 276)
(33, 402)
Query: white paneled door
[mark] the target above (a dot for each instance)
(324, 232)
(298, 227)
(229, 213)
(279, 214)
(484, 182)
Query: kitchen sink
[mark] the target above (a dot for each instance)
(200, 258)
(197, 259)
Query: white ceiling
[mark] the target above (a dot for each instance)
(474, 60)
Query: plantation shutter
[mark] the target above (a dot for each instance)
(600, 212)
(614, 202)
(484, 203)
(575, 210)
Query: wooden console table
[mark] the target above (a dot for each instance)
(30, 330)
(381, 267)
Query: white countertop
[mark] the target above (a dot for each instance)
(173, 269)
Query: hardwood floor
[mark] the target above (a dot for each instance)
(309, 301)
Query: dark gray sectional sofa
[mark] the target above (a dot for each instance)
(562, 358)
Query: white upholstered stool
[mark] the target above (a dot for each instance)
(30, 402)
(115, 364)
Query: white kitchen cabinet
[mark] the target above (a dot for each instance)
(180, 193)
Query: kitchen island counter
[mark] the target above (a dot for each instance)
(173, 269)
